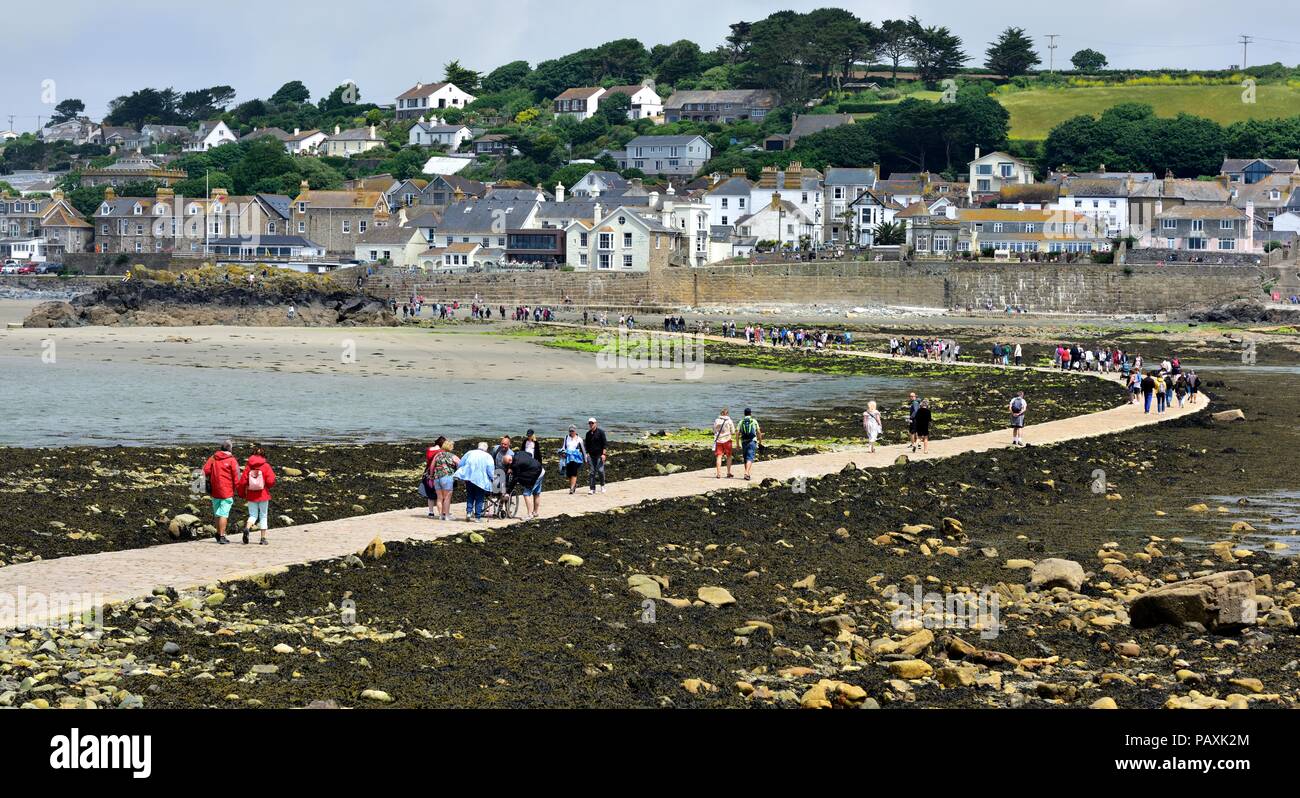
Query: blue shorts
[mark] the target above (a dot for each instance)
(750, 449)
(221, 507)
(444, 483)
(536, 489)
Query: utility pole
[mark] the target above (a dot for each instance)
(1245, 41)
(1051, 51)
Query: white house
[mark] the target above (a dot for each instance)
(211, 133)
(729, 199)
(436, 134)
(421, 98)
(801, 187)
(303, 142)
(1105, 201)
(989, 173)
(580, 103)
(621, 240)
(781, 221)
(646, 102)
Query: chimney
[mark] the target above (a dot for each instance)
(595, 191)
(56, 194)
(654, 200)
(163, 193)
(739, 171)
(768, 177)
(401, 217)
(794, 175)
(1224, 181)
(559, 192)
(977, 152)
(304, 186)
(110, 193)
(419, 85)
(296, 131)
(337, 130)
(596, 214)
(372, 131)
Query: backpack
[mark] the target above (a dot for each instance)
(256, 482)
(748, 428)
(1017, 405)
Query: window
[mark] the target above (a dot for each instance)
(725, 222)
(627, 241)
(627, 261)
(997, 227)
(582, 239)
(270, 228)
(582, 259)
(1198, 225)
(1226, 224)
(604, 260)
(984, 169)
(347, 226)
(1227, 243)
(1005, 169)
(724, 202)
(741, 203)
(361, 226)
(1169, 224)
(1196, 243)
(606, 241)
(302, 207)
(302, 227)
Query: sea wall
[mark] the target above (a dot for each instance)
(1043, 288)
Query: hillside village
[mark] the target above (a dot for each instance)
(526, 168)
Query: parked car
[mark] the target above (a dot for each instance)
(27, 268)
(9, 267)
(49, 268)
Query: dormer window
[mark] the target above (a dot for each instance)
(105, 209)
(137, 209)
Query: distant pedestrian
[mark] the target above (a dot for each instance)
(594, 443)
(222, 472)
(913, 406)
(477, 470)
(573, 454)
(872, 424)
(255, 483)
(1018, 408)
(923, 419)
(723, 429)
(751, 437)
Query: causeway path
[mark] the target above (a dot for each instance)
(117, 576)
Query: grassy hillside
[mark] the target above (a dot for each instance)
(1034, 112)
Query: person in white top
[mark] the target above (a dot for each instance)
(872, 424)
(723, 429)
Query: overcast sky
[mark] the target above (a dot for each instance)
(95, 51)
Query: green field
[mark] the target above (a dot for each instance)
(1034, 112)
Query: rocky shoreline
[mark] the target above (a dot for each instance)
(211, 296)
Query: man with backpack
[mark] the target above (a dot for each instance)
(222, 472)
(1018, 407)
(751, 435)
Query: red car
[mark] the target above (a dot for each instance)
(27, 268)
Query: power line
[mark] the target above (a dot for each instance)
(1245, 42)
(1051, 51)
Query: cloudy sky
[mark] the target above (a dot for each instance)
(94, 51)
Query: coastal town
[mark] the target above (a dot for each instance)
(726, 357)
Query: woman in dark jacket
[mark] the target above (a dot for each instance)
(923, 418)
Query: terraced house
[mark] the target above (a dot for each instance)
(336, 220)
(170, 223)
(1003, 232)
(725, 107)
(1209, 229)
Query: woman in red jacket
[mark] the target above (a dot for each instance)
(255, 483)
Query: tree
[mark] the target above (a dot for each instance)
(672, 63)
(613, 108)
(622, 60)
(465, 79)
(738, 42)
(1012, 54)
(936, 51)
(896, 42)
(67, 110)
(507, 76)
(292, 93)
(1088, 60)
(888, 234)
(143, 106)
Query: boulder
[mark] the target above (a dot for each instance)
(1054, 572)
(1219, 602)
(716, 596)
(1229, 415)
(183, 526)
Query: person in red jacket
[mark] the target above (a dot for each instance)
(255, 486)
(222, 472)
